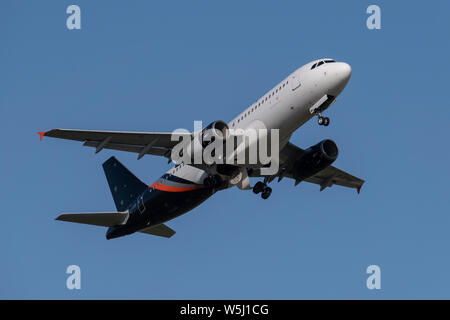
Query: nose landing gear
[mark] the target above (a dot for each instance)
(263, 188)
(323, 121)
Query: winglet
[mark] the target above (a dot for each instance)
(358, 190)
(41, 135)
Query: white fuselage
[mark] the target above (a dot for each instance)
(286, 107)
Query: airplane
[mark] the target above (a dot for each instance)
(304, 94)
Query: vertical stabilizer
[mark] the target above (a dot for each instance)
(125, 186)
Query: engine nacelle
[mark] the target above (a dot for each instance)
(215, 130)
(315, 159)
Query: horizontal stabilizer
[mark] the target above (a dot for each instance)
(103, 219)
(160, 230)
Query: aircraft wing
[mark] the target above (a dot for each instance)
(325, 178)
(155, 143)
(332, 175)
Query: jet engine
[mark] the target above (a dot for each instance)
(212, 132)
(315, 159)
(215, 130)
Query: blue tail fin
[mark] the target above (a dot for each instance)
(125, 186)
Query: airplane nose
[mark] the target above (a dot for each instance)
(345, 72)
(341, 72)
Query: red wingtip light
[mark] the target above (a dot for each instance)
(358, 190)
(41, 135)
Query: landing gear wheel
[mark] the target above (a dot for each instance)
(326, 121)
(320, 120)
(258, 187)
(266, 193)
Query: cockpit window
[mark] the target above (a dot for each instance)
(315, 65)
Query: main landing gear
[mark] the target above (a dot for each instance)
(323, 121)
(263, 188)
(214, 181)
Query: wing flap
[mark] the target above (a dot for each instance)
(160, 230)
(103, 219)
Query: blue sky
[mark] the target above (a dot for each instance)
(157, 66)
